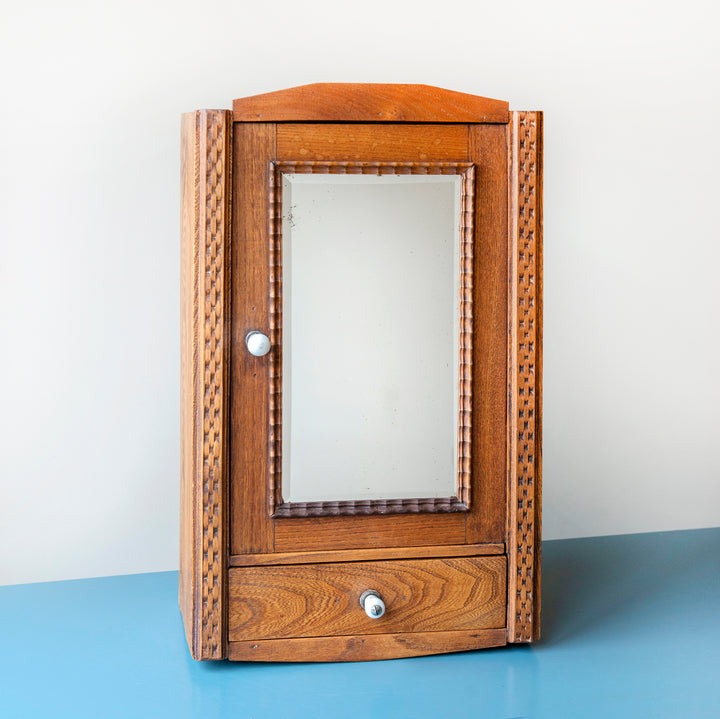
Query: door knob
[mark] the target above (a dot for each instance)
(373, 604)
(258, 344)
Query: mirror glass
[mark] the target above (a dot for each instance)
(370, 284)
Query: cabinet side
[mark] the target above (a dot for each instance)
(524, 376)
(205, 243)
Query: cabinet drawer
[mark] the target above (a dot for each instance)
(421, 595)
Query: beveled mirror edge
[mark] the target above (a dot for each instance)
(277, 507)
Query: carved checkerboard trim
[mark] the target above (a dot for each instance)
(524, 479)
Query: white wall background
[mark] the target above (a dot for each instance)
(89, 225)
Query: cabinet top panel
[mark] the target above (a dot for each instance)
(369, 102)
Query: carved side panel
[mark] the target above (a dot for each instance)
(525, 405)
(458, 503)
(205, 284)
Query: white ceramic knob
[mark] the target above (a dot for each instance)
(373, 604)
(257, 343)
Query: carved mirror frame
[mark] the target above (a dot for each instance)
(458, 503)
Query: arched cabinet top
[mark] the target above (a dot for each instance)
(369, 102)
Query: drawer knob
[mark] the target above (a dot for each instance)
(257, 343)
(372, 603)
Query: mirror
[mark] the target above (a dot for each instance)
(371, 293)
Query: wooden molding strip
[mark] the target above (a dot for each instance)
(206, 143)
(363, 102)
(358, 555)
(371, 141)
(525, 372)
(364, 648)
(360, 507)
(362, 532)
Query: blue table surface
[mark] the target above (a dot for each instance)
(631, 628)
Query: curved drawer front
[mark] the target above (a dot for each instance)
(315, 600)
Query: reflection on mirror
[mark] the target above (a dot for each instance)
(370, 307)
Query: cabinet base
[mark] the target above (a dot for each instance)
(364, 648)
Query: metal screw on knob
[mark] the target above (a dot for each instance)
(373, 604)
(258, 344)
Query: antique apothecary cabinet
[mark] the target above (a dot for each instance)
(361, 374)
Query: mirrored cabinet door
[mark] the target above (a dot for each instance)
(385, 304)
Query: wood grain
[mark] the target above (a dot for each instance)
(359, 555)
(525, 383)
(364, 648)
(418, 143)
(205, 246)
(251, 529)
(399, 530)
(363, 102)
(324, 599)
(488, 150)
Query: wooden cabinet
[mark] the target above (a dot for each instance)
(267, 573)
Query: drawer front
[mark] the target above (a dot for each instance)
(313, 600)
